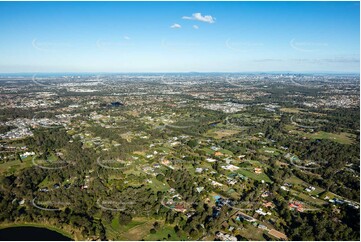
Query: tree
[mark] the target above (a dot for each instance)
(156, 225)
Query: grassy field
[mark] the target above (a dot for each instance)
(227, 152)
(137, 232)
(295, 180)
(158, 185)
(342, 138)
(116, 231)
(267, 150)
(221, 133)
(330, 195)
(14, 165)
(208, 151)
(298, 182)
(290, 110)
(254, 176)
(165, 233)
(308, 198)
(252, 233)
(44, 183)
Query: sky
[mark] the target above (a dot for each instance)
(179, 37)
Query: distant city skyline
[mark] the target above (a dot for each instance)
(171, 37)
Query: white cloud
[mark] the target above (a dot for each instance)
(199, 17)
(126, 37)
(195, 27)
(176, 26)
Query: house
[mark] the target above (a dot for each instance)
(215, 148)
(261, 226)
(26, 154)
(199, 170)
(257, 170)
(285, 188)
(217, 153)
(261, 212)
(199, 189)
(270, 151)
(169, 202)
(265, 194)
(225, 237)
(214, 183)
(296, 205)
(231, 181)
(230, 167)
(268, 204)
(228, 160)
(211, 160)
(180, 208)
(225, 224)
(246, 218)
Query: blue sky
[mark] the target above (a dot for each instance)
(179, 36)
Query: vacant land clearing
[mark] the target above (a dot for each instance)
(254, 176)
(342, 138)
(290, 110)
(221, 133)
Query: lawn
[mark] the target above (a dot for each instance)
(115, 223)
(330, 195)
(267, 151)
(308, 198)
(14, 165)
(252, 233)
(208, 151)
(163, 149)
(227, 152)
(290, 110)
(254, 176)
(342, 138)
(221, 133)
(52, 157)
(116, 231)
(251, 164)
(297, 181)
(45, 182)
(137, 232)
(158, 185)
(165, 233)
